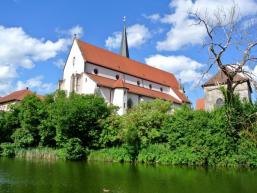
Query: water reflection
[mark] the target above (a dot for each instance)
(21, 176)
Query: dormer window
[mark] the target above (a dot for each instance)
(95, 71)
(117, 77)
(150, 86)
(138, 83)
(161, 89)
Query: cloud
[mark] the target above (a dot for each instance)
(184, 68)
(20, 50)
(153, 18)
(137, 35)
(183, 32)
(36, 84)
(69, 34)
(59, 63)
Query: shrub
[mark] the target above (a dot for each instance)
(22, 137)
(72, 150)
(153, 153)
(7, 149)
(114, 154)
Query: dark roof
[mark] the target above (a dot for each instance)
(221, 78)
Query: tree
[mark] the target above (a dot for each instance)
(225, 34)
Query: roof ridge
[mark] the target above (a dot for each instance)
(125, 58)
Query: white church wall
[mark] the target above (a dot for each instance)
(106, 94)
(120, 100)
(88, 86)
(74, 64)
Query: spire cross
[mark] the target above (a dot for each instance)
(124, 19)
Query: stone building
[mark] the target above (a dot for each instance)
(213, 97)
(120, 80)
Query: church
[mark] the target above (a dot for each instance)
(121, 81)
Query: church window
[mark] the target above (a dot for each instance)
(161, 89)
(138, 83)
(219, 102)
(73, 61)
(129, 103)
(95, 71)
(150, 86)
(117, 77)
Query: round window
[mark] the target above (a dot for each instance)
(117, 77)
(219, 102)
(95, 71)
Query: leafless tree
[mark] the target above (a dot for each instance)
(225, 32)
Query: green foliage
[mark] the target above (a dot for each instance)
(110, 155)
(31, 113)
(7, 150)
(143, 125)
(72, 150)
(79, 116)
(153, 153)
(22, 138)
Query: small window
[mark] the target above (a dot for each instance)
(138, 83)
(73, 61)
(161, 89)
(95, 71)
(219, 102)
(150, 86)
(117, 77)
(129, 103)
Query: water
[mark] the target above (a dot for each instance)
(19, 176)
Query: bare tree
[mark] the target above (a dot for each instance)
(225, 32)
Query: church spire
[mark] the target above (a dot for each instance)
(124, 42)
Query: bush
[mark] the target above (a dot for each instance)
(22, 137)
(7, 149)
(72, 150)
(153, 153)
(114, 154)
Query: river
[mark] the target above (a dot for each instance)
(20, 176)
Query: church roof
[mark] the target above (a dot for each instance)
(119, 84)
(221, 78)
(15, 96)
(110, 60)
(110, 83)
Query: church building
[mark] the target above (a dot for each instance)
(121, 81)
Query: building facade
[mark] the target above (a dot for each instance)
(213, 96)
(120, 80)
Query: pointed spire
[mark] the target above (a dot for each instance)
(124, 42)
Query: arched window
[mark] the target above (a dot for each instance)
(95, 71)
(150, 86)
(138, 83)
(117, 77)
(161, 89)
(129, 103)
(219, 102)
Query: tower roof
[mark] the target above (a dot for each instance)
(124, 42)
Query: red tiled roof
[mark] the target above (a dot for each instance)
(119, 84)
(106, 82)
(107, 59)
(15, 96)
(182, 96)
(200, 104)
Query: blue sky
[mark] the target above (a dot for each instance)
(35, 37)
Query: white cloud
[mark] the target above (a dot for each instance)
(137, 35)
(36, 84)
(20, 50)
(59, 63)
(183, 32)
(184, 68)
(154, 17)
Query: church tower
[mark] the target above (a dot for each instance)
(124, 42)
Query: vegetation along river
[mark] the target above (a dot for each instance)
(20, 176)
